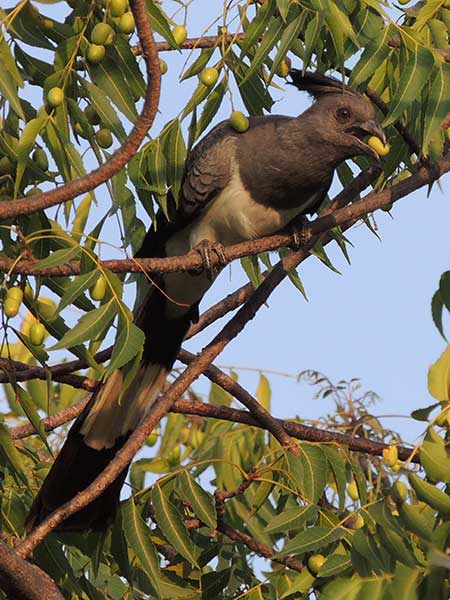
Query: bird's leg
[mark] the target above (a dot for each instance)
(205, 248)
(298, 229)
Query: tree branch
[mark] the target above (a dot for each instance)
(23, 581)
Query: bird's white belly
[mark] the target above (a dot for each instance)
(233, 217)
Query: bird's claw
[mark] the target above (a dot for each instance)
(300, 233)
(205, 248)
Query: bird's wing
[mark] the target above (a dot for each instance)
(207, 171)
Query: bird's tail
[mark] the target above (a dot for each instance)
(108, 420)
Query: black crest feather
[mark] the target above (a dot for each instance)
(317, 84)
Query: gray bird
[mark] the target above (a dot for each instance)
(236, 187)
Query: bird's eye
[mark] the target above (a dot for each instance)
(343, 114)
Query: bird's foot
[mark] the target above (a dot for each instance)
(206, 248)
(300, 232)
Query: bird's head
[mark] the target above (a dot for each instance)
(345, 117)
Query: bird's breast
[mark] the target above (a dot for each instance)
(235, 216)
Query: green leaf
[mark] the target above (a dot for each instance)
(30, 409)
(371, 590)
(341, 589)
(435, 457)
(212, 105)
(396, 545)
(415, 74)
(444, 289)
(373, 56)
(437, 306)
(257, 26)
(59, 257)
(253, 91)
(174, 150)
(312, 34)
(11, 454)
(102, 105)
(404, 584)
(291, 519)
(160, 22)
(201, 502)
(309, 471)
(436, 108)
(336, 563)
(429, 493)
(439, 377)
(263, 392)
(270, 38)
(287, 38)
(138, 536)
(128, 343)
(107, 76)
(172, 526)
(89, 327)
(123, 54)
(427, 11)
(199, 64)
(414, 521)
(422, 414)
(337, 463)
(319, 251)
(312, 539)
(76, 287)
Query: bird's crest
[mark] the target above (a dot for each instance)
(317, 84)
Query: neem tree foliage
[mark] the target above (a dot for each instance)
(232, 511)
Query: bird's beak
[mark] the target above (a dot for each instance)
(374, 128)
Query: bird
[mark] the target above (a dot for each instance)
(236, 186)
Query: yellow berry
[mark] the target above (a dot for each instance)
(179, 33)
(98, 290)
(315, 562)
(117, 7)
(163, 66)
(390, 455)
(377, 145)
(37, 334)
(55, 96)
(239, 121)
(102, 34)
(284, 67)
(96, 53)
(174, 456)
(16, 293)
(151, 439)
(126, 23)
(11, 307)
(352, 490)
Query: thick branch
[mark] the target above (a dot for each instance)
(23, 581)
(68, 191)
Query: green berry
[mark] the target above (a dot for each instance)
(7, 167)
(96, 53)
(55, 97)
(239, 121)
(104, 138)
(209, 76)
(92, 115)
(40, 158)
(102, 34)
(163, 66)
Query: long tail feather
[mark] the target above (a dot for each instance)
(105, 424)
